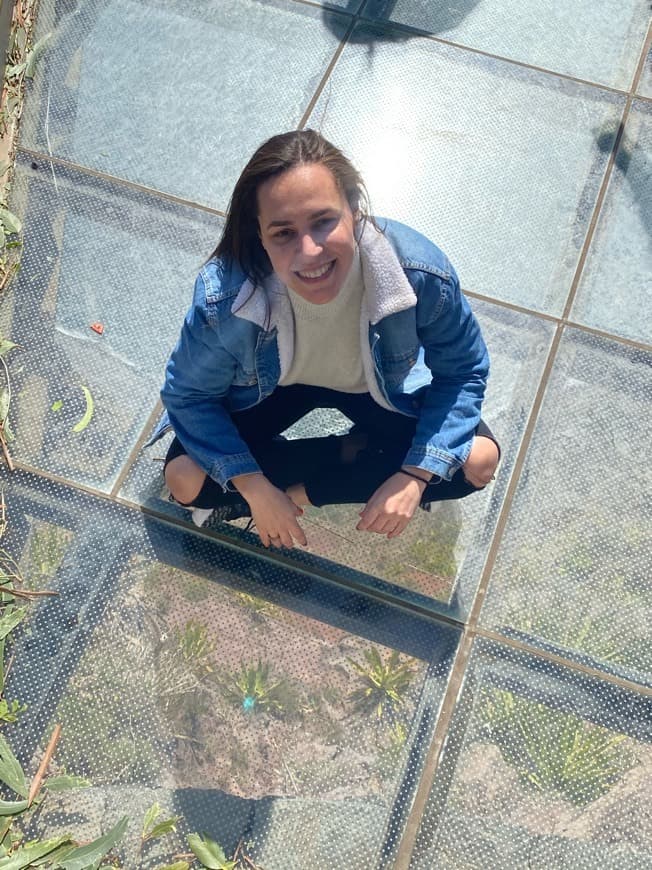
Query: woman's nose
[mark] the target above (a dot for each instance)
(310, 245)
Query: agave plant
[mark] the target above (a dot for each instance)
(384, 685)
(253, 690)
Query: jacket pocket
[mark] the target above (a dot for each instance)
(396, 368)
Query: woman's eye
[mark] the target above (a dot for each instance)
(282, 235)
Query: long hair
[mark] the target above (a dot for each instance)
(240, 240)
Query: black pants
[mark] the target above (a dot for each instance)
(316, 462)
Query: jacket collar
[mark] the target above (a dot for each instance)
(387, 289)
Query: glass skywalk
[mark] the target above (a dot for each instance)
(515, 623)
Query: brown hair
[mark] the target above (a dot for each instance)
(240, 240)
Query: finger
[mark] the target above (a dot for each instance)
(298, 534)
(283, 539)
(383, 525)
(397, 530)
(368, 516)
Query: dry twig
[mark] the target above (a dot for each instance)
(5, 449)
(37, 782)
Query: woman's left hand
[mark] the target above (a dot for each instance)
(392, 506)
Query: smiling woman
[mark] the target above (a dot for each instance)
(308, 302)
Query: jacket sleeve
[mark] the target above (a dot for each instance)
(457, 357)
(198, 376)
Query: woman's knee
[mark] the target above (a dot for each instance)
(480, 467)
(184, 478)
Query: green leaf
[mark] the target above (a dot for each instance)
(9, 221)
(6, 345)
(2, 666)
(10, 808)
(163, 828)
(57, 406)
(85, 856)
(34, 54)
(55, 857)
(11, 710)
(209, 852)
(150, 817)
(25, 857)
(65, 781)
(178, 865)
(11, 773)
(10, 618)
(88, 415)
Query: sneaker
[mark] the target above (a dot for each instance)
(200, 515)
(223, 514)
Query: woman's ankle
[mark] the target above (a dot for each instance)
(297, 492)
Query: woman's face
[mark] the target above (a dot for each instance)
(306, 228)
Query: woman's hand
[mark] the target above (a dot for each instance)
(273, 512)
(392, 506)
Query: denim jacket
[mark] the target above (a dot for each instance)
(423, 354)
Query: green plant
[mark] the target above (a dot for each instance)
(259, 607)
(252, 689)
(552, 750)
(384, 685)
(11, 710)
(195, 646)
(154, 828)
(210, 853)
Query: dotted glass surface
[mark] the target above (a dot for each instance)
(574, 565)
(542, 767)
(232, 691)
(441, 553)
(615, 293)
(589, 39)
(645, 85)
(166, 94)
(499, 165)
(96, 253)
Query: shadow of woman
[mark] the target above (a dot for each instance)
(428, 17)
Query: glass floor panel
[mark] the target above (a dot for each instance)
(645, 85)
(599, 41)
(543, 767)
(439, 160)
(573, 567)
(227, 688)
(97, 253)
(163, 54)
(614, 293)
(441, 553)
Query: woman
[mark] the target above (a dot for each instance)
(309, 303)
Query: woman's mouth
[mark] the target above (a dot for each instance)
(317, 274)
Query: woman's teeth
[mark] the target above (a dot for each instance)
(317, 273)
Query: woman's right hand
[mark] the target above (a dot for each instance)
(273, 512)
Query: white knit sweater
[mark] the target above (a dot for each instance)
(327, 338)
